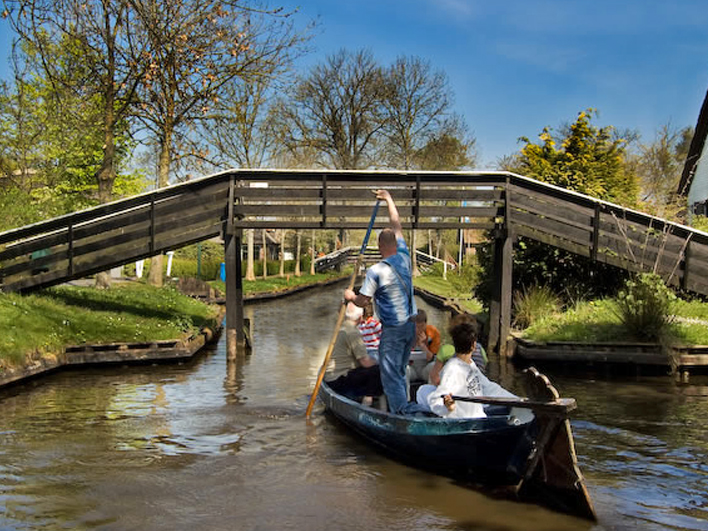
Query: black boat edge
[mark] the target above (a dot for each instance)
(536, 460)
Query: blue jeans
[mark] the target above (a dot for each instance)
(394, 351)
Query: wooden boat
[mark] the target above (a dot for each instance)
(535, 458)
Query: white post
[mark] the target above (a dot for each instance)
(444, 269)
(139, 268)
(170, 254)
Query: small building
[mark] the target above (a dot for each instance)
(694, 178)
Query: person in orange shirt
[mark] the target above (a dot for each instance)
(426, 346)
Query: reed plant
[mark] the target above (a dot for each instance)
(533, 303)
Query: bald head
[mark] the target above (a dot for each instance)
(387, 242)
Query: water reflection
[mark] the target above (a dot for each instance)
(216, 445)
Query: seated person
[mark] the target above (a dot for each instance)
(370, 328)
(479, 356)
(426, 346)
(351, 371)
(460, 377)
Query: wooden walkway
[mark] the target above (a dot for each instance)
(508, 205)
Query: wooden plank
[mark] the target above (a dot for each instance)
(92, 214)
(457, 194)
(548, 239)
(595, 232)
(408, 212)
(619, 230)
(591, 356)
(645, 258)
(552, 208)
(103, 262)
(334, 223)
(300, 193)
(551, 227)
(556, 198)
(271, 210)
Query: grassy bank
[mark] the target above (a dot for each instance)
(443, 288)
(275, 284)
(52, 319)
(597, 321)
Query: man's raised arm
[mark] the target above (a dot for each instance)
(395, 220)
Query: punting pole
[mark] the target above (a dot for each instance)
(340, 317)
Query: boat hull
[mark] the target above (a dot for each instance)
(489, 450)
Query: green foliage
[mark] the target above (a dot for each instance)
(572, 277)
(445, 152)
(589, 161)
(644, 307)
(587, 321)
(700, 223)
(533, 303)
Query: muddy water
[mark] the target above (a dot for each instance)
(197, 446)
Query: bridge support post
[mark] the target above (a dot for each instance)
(500, 305)
(235, 336)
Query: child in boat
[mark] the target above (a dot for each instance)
(370, 328)
(447, 351)
(427, 345)
(460, 377)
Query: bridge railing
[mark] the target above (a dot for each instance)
(96, 239)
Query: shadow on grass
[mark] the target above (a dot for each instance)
(99, 303)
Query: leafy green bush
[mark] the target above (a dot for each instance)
(571, 276)
(534, 303)
(644, 307)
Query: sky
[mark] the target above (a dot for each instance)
(517, 66)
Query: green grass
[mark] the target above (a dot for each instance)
(275, 284)
(443, 288)
(596, 322)
(52, 319)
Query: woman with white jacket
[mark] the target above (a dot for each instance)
(460, 377)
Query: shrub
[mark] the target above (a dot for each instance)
(534, 303)
(644, 307)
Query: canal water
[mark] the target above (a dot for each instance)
(199, 446)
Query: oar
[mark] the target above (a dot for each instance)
(561, 406)
(340, 318)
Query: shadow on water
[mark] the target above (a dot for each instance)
(214, 445)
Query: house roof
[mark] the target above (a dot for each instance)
(695, 151)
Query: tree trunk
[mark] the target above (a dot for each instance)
(281, 274)
(313, 254)
(106, 175)
(155, 274)
(250, 271)
(298, 238)
(265, 255)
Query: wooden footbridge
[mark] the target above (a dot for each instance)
(508, 205)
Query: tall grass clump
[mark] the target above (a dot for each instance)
(534, 303)
(645, 307)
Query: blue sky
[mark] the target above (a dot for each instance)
(517, 66)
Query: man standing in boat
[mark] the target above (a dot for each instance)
(390, 283)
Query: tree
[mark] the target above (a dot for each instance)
(50, 138)
(198, 47)
(449, 149)
(97, 39)
(589, 161)
(417, 101)
(659, 165)
(336, 111)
